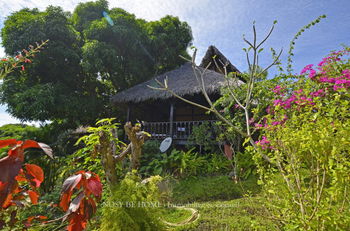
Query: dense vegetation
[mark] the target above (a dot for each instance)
(91, 54)
(288, 168)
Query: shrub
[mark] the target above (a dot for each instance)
(133, 205)
(205, 135)
(183, 164)
(306, 136)
(19, 132)
(211, 188)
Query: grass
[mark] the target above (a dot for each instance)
(221, 204)
(239, 214)
(211, 188)
(173, 215)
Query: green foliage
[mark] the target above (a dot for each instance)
(245, 166)
(205, 135)
(297, 35)
(217, 164)
(150, 151)
(133, 205)
(184, 164)
(87, 59)
(169, 38)
(175, 215)
(19, 132)
(86, 157)
(85, 13)
(211, 188)
(306, 183)
(245, 214)
(45, 207)
(53, 82)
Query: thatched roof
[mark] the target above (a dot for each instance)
(181, 80)
(215, 60)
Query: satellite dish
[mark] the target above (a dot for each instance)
(165, 145)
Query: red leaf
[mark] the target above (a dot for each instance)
(20, 178)
(2, 224)
(33, 197)
(46, 148)
(77, 223)
(30, 144)
(75, 204)
(29, 220)
(71, 182)
(4, 143)
(33, 144)
(18, 203)
(7, 201)
(65, 198)
(10, 167)
(40, 217)
(228, 151)
(89, 208)
(2, 186)
(36, 174)
(13, 218)
(27, 224)
(94, 186)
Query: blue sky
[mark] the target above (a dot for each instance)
(223, 22)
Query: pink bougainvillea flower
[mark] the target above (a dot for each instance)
(298, 91)
(318, 93)
(306, 69)
(320, 64)
(268, 110)
(278, 90)
(263, 143)
(274, 123)
(258, 125)
(277, 102)
(312, 74)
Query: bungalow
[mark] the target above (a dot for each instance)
(163, 115)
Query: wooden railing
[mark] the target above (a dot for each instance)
(181, 130)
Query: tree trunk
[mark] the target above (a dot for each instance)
(137, 139)
(107, 150)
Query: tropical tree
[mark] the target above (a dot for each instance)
(91, 54)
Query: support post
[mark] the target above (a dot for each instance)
(171, 119)
(128, 114)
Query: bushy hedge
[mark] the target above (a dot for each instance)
(306, 135)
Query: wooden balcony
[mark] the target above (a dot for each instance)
(178, 130)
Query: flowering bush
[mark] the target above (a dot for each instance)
(306, 135)
(9, 64)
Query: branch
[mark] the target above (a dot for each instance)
(236, 129)
(122, 155)
(274, 62)
(245, 40)
(268, 35)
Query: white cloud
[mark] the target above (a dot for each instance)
(2, 52)
(5, 118)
